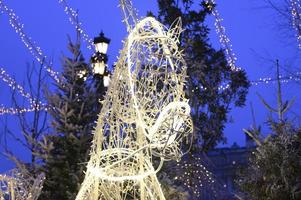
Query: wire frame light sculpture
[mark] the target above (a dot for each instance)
(17, 186)
(144, 115)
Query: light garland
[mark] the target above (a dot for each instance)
(73, 19)
(15, 86)
(283, 79)
(14, 111)
(35, 51)
(266, 80)
(223, 38)
(296, 19)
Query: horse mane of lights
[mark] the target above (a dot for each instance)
(144, 115)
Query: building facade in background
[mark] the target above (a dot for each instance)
(225, 164)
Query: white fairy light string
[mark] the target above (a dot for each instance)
(15, 86)
(73, 19)
(231, 58)
(266, 80)
(35, 51)
(283, 79)
(223, 38)
(270, 80)
(296, 19)
(14, 111)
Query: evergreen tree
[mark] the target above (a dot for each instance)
(274, 171)
(74, 107)
(207, 70)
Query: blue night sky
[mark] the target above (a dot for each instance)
(256, 38)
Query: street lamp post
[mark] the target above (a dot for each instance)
(106, 78)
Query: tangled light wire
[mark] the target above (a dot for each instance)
(18, 186)
(144, 114)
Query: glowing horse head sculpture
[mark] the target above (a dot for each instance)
(156, 73)
(144, 114)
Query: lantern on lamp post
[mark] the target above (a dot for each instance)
(101, 43)
(99, 59)
(99, 63)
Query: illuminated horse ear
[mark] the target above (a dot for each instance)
(175, 30)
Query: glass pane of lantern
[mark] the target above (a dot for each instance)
(82, 74)
(99, 68)
(106, 81)
(102, 47)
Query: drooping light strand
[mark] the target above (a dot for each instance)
(14, 85)
(73, 19)
(35, 50)
(34, 105)
(223, 38)
(266, 80)
(296, 19)
(14, 111)
(283, 79)
(270, 80)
